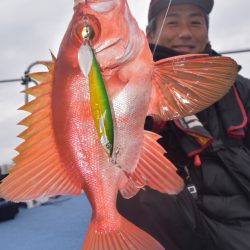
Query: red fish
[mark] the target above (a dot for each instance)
(85, 130)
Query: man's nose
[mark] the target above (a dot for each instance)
(185, 32)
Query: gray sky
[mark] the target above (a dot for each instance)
(30, 28)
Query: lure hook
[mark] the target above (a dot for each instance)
(136, 182)
(87, 32)
(115, 156)
(86, 29)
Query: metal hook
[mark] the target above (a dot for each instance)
(86, 30)
(115, 156)
(136, 184)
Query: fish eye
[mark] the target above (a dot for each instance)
(82, 32)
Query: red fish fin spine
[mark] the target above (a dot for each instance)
(153, 170)
(127, 236)
(38, 169)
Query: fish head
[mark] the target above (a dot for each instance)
(114, 34)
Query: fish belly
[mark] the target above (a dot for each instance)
(130, 108)
(79, 145)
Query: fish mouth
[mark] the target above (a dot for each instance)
(94, 27)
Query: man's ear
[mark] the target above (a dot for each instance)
(150, 35)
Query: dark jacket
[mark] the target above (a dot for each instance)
(218, 217)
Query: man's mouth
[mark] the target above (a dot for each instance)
(183, 48)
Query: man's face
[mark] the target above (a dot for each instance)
(184, 31)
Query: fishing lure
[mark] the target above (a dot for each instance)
(99, 101)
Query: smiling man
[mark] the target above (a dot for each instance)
(211, 149)
(185, 29)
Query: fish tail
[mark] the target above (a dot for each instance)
(127, 236)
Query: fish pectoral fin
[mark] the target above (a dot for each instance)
(123, 236)
(154, 169)
(38, 170)
(185, 85)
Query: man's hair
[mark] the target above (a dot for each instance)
(156, 6)
(151, 27)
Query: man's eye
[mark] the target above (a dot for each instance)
(195, 22)
(172, 23)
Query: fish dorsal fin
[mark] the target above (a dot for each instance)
(153, 170)
(185, 85)
(38, 169)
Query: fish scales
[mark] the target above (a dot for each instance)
(87, 150)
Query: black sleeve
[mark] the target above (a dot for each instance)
(243, 87)
(149, 123)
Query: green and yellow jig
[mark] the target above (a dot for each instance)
(99, 101)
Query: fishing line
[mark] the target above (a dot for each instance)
(164, 20)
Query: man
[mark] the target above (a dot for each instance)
(211, 150)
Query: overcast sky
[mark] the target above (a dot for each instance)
(28, 29)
